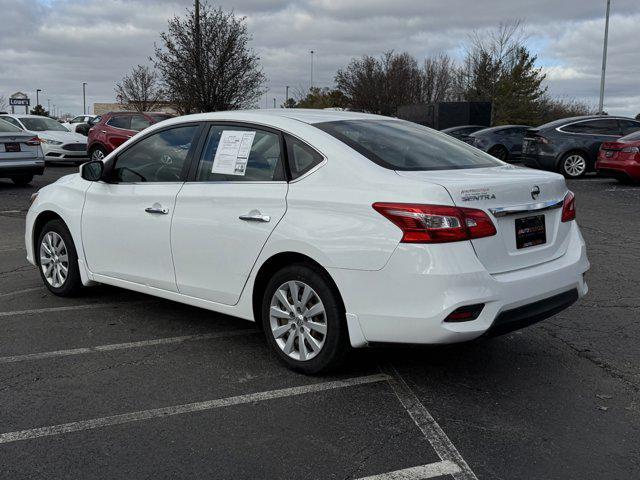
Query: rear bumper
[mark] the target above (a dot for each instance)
(410, 298)
(10, 168)
(619, 168)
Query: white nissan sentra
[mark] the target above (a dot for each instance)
(331, 229)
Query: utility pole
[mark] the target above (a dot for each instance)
(286, 97)
(274, 102)
(84, 98)
(311, 83)
(49, 105)
(604, 59)
(37, 96)
(54, 109)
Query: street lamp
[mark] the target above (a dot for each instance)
(604, 59)
(84, 99)
(49, 105)
(311, 84)
(37, 96)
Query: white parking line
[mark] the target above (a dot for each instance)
(17, 292)
(439, 440)
(187, 408)
(431, 470)
(70, 307)
(125, 346)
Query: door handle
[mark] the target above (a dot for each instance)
(255, 216)
(160, 210)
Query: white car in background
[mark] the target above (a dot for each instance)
(72, 124)
(330, 228)
(58, 143)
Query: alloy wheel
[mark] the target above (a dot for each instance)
(97, 154)
(575, 165)
(54, 259)
(298, 320)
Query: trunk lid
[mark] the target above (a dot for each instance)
(8, 141)
(507, 187)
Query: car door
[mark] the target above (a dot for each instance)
(126, 220)
(226, 211)
(117, 130)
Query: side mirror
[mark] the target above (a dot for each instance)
(92, 171)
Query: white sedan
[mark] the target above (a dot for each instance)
(58, 143)
(331, 229)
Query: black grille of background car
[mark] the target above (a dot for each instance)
(75, 147)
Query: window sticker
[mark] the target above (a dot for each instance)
(233, 152)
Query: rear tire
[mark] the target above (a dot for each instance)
(22, 180)
(499, 152)
(57, 259)
(304, 320)
(573, 165)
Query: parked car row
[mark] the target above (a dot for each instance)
(571, 146)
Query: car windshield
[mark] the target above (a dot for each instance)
(6, 127)
(400, 145)
(632, 137)
(42, 124)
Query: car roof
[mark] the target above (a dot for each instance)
(564, 121)
(498, 127)
(308, 116)
(451, 129)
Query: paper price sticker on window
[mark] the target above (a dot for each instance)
(233, 152)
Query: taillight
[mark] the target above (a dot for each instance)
(436, 223)
(33, 142)
(631, 150)
(569, 207)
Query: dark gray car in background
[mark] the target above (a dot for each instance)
(461, 132)
(570, 145)
(503, 142)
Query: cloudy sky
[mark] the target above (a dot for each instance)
(55, 45)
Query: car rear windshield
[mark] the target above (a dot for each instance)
(6, 127)
(400, 145)
(158, 117)
(631, 137)
(42, 124)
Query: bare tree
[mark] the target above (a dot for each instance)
(206, 64)
(140, 89)
(3, 103)
(438, 79)
(380, 85)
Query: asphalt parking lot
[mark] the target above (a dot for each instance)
(115, 384)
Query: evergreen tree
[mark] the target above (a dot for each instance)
(39, 110)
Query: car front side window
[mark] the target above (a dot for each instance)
(262, 164)
(160, 157)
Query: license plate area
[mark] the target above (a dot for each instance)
(530, 231)
(11, 147)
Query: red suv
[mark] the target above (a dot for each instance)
(112, 129)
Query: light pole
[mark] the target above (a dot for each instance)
(311, 83)
(37, 96)
(604, 59)
(286, 97)
(84, 98)
(49, 105)
(54, 110)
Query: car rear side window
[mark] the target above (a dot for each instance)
(263, 163)
(120, 121)
(302, 157)
(139, 122)
(6, 127)
(629, 126)
(594, 127)
(400, 145)
(160, 157)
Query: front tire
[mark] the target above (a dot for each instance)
(573, 165)
(304, 320)
(57, 259)
(22, 180)
(97, 153)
